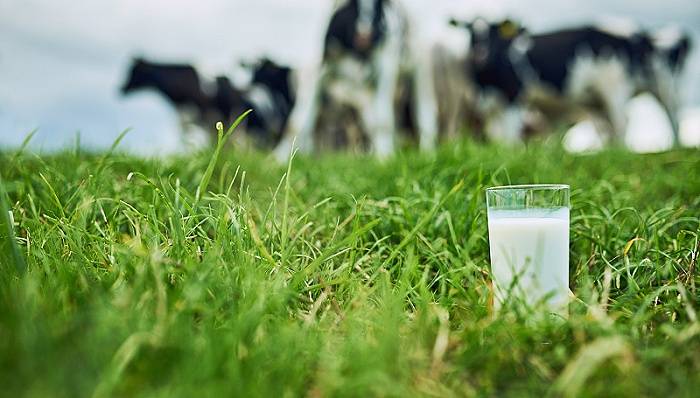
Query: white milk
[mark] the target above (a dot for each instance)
(530, 255)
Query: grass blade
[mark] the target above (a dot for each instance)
(221, 141)
(9, 251)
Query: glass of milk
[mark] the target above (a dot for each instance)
(529, 244)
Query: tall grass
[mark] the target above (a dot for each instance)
(340, 276)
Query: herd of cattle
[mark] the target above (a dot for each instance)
(379, 84)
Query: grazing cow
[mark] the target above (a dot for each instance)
(271, 94)
(367, 50)
(453, 91)
(203, 104)
(586, 67)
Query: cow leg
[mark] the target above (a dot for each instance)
(187, 119)
(378, 115)
(613, 86)
(513, 121)
(671, 109)
(302, 120)
(505, 124)
(378, 126)
(193, 133)
(450, 91)
(425, 102)
(666, 91)
(615, 100)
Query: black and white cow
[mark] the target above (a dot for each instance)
(367, 49)
(271, 93)
(201, 103)
(588, 67)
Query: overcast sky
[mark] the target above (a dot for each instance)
(62, 61)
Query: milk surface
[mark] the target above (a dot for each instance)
(530, 256)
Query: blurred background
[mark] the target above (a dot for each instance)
(62, 62)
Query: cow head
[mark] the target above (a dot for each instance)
(673, 45)
(138, 76)
(357, 26)
(368, 27)
(490, 40)
(679, 52)
(269, 73)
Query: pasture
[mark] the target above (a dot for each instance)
(341, 276)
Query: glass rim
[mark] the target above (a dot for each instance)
(530, 187)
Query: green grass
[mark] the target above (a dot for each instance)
(350, 278)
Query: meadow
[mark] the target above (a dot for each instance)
(227, 274)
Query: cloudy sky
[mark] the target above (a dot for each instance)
(62, 61)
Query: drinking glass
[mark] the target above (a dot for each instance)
(529, 244)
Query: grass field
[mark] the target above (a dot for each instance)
(349, 278)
